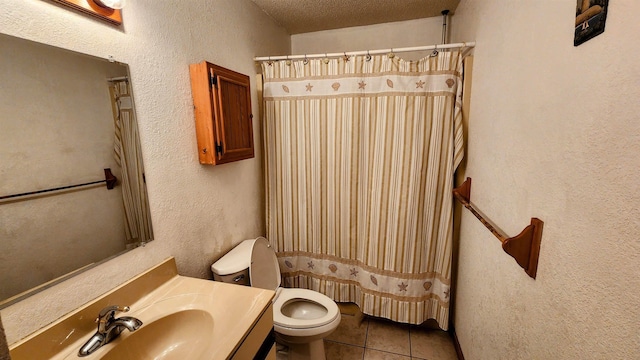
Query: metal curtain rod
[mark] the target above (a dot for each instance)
(367, 52)
(445, 14)
(109, 179)
(120, 78)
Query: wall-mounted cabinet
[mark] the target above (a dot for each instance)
(222, 107)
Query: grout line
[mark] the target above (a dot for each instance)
(344, 343)
(389, 352)
(366, 335)
(410, 351)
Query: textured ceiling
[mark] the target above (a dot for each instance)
(300, 16)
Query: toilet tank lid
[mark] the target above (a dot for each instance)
(238, 259)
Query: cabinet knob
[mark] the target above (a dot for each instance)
(204, 150)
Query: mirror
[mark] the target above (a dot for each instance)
(64, 118)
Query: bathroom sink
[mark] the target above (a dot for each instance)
(183, 318)
(181, 335)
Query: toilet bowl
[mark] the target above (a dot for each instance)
(301, 318)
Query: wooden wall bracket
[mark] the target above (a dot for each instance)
(524, 247)
(110, 179)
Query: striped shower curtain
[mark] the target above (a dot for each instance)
(360, 154)
(128, 155)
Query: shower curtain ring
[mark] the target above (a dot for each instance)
(368, 56)
(391, 54)
(346, 57)
(288, 61)
(435, 51)
(269, 61)
(326, 58)
(305, 61)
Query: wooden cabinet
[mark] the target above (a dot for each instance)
(259, 343)
(222, 107)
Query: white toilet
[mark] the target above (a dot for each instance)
(302, 318)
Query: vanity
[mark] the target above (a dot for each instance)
(182, 318)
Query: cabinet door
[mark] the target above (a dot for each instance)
(222, 109)
(232, 108)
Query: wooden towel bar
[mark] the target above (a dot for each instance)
(524, 247)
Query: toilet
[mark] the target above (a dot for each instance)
(302, 318)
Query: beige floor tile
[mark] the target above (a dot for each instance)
(370, 354)
(352, 330)
(432, 344)
(337, 351)
(388, 336)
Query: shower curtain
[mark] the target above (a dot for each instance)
(128, 155)
(360, 154)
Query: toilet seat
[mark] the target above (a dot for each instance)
(286, 295)
(264, 272)
(301, 318)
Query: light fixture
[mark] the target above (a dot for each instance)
(111, 4)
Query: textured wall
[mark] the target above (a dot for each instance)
(4, 348)
(371, 37)
(554, 133)
(56, 129)
(198, 212)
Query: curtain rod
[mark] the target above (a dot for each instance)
(120, 78)
(109, 179)
(367, 52)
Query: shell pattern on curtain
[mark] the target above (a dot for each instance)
(359, 163)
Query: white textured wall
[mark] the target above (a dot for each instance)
(198, 212)
(56, 129)
(371, 37)
(554, 133)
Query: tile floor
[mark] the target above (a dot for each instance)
(365, 338)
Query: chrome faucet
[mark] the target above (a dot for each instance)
(109, 328)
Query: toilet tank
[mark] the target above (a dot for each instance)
(233, 267)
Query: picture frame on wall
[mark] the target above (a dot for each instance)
(591, 16)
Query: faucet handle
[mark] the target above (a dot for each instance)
(109, 311)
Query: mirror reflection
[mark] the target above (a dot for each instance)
(64, 118)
